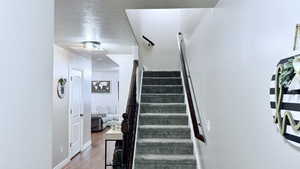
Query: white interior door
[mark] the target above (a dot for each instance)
(76, 113)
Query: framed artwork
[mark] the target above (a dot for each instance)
(100, 86)
(297, 38)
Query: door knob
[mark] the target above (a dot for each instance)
(81, 115)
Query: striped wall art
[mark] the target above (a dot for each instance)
(285, 98)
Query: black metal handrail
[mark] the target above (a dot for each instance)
(129, 122)
(148, 40)
(189, 89)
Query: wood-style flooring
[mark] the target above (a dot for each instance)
(93, 157)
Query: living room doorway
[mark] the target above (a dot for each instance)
(105, 94)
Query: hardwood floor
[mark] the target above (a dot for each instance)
(93, 157)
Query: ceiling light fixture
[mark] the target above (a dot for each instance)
(91, 45)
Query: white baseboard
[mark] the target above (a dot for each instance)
(86, 145)
(62, 164)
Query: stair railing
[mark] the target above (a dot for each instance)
(189, 89)
(129, 122)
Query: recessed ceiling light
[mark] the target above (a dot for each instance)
(91, 45)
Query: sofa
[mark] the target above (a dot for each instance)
(102, 118)
(96, 123)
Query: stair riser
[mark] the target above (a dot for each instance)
(163, 120)
(162, 89)
(165, 148)
(165, 165)
(162, 99)
(165, 81)
(162, 74)
(164, 133)
(146, 108)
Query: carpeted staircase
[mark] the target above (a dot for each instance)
(164, 138)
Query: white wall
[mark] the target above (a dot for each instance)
(106, 99)
(64, 60)
(26, 40)
(125, 63)
(160, 26)
(233, 53)
(60, 107)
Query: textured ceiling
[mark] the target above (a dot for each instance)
(106, 20)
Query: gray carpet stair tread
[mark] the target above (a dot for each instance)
(151, 161)
(163, 119)
(163, 104)
(162, 73)
(179, 78)
(164, 127)
(163, 107)
(166, 157)
(164, 114)
(162, 98)
(162, 94)
(162, 81)
(164, 146)
(163, 140)
(164, 131)
(162, 89)
(162, 85)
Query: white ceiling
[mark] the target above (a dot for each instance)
(106, 20)
(168, 22)
(104, 64)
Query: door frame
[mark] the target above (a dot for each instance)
(79, 72)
